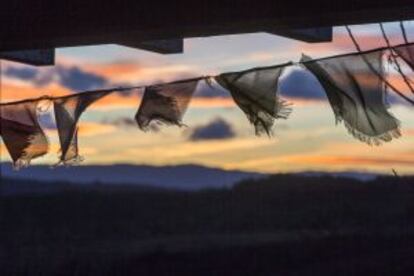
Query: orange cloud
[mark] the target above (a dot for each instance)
(92, 129)
(350, 160)
(116, 100)
(14, 92)
(87, 129)
(212, 102)
(187, 149)
(116, 68)
(408, 132)
(137, 74)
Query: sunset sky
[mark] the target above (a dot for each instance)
(218, 133)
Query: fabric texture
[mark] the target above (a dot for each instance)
(165, 104)
(406, 52)
(357, 94)
(354, 83)
(67, 113)
(21, 133)
(255, 92)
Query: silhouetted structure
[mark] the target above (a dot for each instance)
(160, 26)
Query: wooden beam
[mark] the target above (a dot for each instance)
(41, 24)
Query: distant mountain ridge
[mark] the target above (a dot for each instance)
(362, 176)
(184, 177)
(188, 177)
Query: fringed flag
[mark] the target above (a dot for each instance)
(21, 132)
(255, 92)
(67, 113)
(357, 94)
(165, 104)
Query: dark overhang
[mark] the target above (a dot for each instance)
(161, 25)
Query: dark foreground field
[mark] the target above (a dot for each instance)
(283, 225)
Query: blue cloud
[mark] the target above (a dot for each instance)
(301, 84)
(73, 77)
(216, 129)
(76, 79)
(21, 73)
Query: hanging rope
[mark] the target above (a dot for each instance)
(404, 33)
(394, 58)
(386, 82)
(209, 77)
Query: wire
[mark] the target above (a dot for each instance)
(403, 32)
(386, 82)
(395, 60)
(208, 77)
(351, 35)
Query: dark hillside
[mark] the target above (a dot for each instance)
(292, 225)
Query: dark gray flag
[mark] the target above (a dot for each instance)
(255, 92)
(165, 104)
(356, 91)
(67, 113)
(21, 132)
(406, 52)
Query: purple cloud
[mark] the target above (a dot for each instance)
(301, 84)
(216, 129)
(71, 77)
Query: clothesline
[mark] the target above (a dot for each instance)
(287, 64)
(354, 84)
(386, 82)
